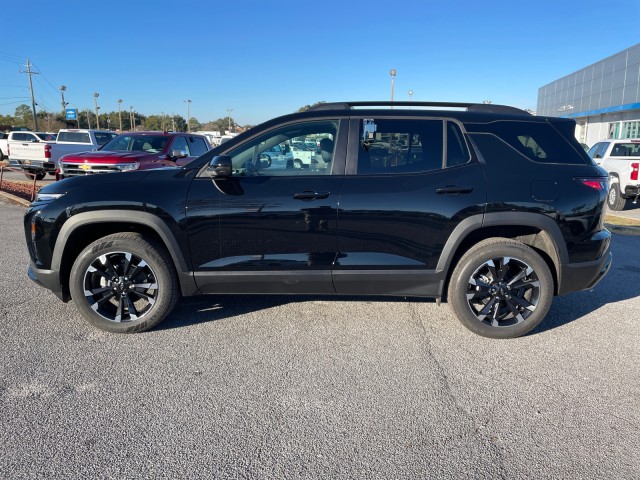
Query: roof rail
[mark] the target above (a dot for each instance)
(472, 107)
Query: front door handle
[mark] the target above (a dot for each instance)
(309, 195)
(453, 190)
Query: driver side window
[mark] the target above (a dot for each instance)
(298, 149)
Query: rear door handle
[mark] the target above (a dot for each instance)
(453, 190)
(311, 195)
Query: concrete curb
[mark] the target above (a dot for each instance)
(15, 199)
(623, 229)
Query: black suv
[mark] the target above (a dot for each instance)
(485, 206)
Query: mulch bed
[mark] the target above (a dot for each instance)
(19, 189)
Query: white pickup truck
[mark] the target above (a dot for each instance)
(4, 143)
(621, 158)
(38, 155)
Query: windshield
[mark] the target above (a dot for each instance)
(137, 143)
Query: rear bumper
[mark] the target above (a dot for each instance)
(36, 165)
(632, 190)
(585, 275)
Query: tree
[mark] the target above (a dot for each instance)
(307, 107)
(24, 116)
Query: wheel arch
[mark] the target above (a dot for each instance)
(84, 228)
(538, 231)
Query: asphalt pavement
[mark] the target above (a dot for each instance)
(279, 387)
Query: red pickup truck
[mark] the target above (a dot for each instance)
(135, 151)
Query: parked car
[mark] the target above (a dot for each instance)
(621, 159)
(4, 144)
(135, 151)
(489, 208)
(38, 153)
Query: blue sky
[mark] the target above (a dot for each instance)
(267, 58)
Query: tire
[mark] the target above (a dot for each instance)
(614, 198)
(501, 288)
(109, 297)
(297, 163)
(38, 175)
(1, 156)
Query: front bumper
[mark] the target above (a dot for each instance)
(48, 279)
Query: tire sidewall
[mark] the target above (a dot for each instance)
(617, 202)
(478, 256)
(165, 299)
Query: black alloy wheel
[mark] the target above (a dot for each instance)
(501, 288)
(123, 283)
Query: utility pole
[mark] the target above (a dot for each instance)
(33, 100)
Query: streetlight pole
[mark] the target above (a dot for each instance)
(188, 102)
(95, 101)
(132, 119)
(63, 88)
(410, 94)
(119, 113)
(229, 110)
(393, 77)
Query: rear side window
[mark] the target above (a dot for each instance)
(397, 146)
(197, 146)
(539, 142)
(103, 138)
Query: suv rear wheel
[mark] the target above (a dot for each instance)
(501, 288)
(123, 283)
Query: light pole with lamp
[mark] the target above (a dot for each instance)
(410, 94)
(229, 110)
(120, 113)
(95, 101)
(188, 102)
(393, 77)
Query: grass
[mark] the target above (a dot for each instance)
(622, 221)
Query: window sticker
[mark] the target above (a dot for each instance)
(369, 128)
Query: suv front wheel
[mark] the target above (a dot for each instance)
(501, 288)
(124, 283)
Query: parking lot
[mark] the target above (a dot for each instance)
(314, 387)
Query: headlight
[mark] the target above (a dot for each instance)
(47, 197)
(128, 166)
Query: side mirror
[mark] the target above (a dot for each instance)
(178, 154)
(265, 161)
(220, 166)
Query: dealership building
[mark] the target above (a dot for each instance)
(603, 98)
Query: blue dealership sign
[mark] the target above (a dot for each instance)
(71, 114)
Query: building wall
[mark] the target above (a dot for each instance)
(603, 98)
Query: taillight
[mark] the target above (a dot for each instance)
(634, 171)
(47, 151)
(597, 183)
